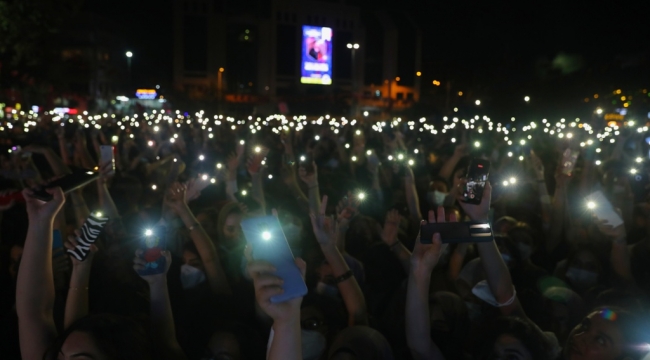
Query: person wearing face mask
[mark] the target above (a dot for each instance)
(581, 270)
(437, 193)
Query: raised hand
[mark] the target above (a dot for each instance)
(425, 256)
(255, 161)
(537, 164)
(106, 171)
(39, 210)
(311, 179)
(391, 227)
(268, 285)
(346, 209)
(176, 197)
(139, 265)
(194, 188)
(476, 212)
(324, 226)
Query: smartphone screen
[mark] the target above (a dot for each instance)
(69, 182)
(270, 244)
(153, 243)
(477, 176)
(107, 154)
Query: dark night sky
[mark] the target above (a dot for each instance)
(499, 47)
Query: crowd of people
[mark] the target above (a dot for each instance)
(556, 282)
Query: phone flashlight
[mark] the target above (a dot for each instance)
(411, 162)
(361, 196)
(204, 177)
(302, 158)
(513, 180)
(98, 214)
(114, 139)
(369, 152)
(148, 232)
(257, 149)
(150, 143)
(201, 157)
(154, 187)
(506, 183)
(219, 166)
(591, 205)
(400, 157)
(633, 171)
(242, 142)
(354, 158)
(244, 192)
(266, 235)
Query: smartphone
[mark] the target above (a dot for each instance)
(107, 153)
(69, 182)
(603, 209)
(90, 231)
(269, 243)
(477, 176)
(569, 159)
(155, 242)
(456, 232)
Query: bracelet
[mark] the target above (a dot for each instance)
(78, 288)
(343, 277)
(193, 226)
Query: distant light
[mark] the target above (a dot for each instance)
(411, 162)
(513, 180)
(509, 153)
(521, 158)
(266, 235)
(201, 157)
(302, 158)
(148, 232)
(219, 166)
(591, 205)
(639, 159)
(400, 156)
(418, 73)
(633, 171)
(365, 113)
(361, 196)
(460, 93)
(477, 102)
(598, 162)
(369, 152)
(270, 176)
(154, 187)
(316, 137)
(242, 142)
(599, 111)
(213, 180)
(354, 158)
(244, 192)
(258, 149)
(527, 98)
(129, 54)
(99, 214)
(506, 183)
(477, 144)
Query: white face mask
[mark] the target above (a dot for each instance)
(191, 276)
(582, 278)
(313, 344)
(436, 197)
(327, 290)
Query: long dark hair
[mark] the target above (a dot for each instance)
(116, 336)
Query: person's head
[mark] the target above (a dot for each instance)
(584, 269)
(609, 333)
(102, 337)
(320, 319)
(449, 321)
(514, 338)
(229, 221)
(360, 342)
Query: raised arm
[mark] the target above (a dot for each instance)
(76, 304)
(418, 327)
(105, 200)
(558, 212)
(35, 286)
(311, 180)
(496, 271)
(231, 181)
(176, 200)
(160, 311)
(544, 198)
(325, 231)
(620, 255)
(285, 341)
(254, 167)
(411, 194)
(389, 236)
(449, 165)
(346, 209)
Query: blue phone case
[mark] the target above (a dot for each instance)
(153, 245)
(269, 244)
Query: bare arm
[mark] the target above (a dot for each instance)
(76, 304)
(35, 286)
(160, 311)
(558, 214)
(411, 194)
(176, 200)
(325, 231)
(450, 164)
(311, 180)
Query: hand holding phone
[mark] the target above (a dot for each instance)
(151, 258)
(270, 257)
(569, 159)
(477, 176)
(107, 154)
(603, 209)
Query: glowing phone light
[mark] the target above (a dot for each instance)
(266, 235)
(148, 232)
(99, 214)
(591, 205)
(361, 196)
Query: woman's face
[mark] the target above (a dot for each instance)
(192, 259)
(80, 346)
(508, 347)
(231, 228)
(595, 338)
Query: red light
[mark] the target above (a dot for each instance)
(481, 166)
(72, 111)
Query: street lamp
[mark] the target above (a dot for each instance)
(354, 47)
(129, 55)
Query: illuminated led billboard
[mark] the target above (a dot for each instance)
(316, 63)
